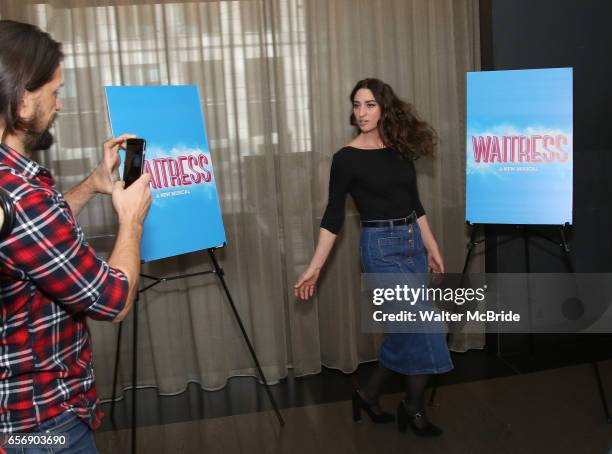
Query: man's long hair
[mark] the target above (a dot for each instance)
(29, 58)
(399, 126)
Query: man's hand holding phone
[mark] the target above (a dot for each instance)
(102, 178)
(132, 204)
(132, 196)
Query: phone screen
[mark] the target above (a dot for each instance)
(134, 160)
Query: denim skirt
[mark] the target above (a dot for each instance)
(399, 249)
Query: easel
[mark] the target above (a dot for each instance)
(565, 249)
(218, 271)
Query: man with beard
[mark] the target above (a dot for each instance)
(51, 280)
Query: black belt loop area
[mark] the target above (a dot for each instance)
(391, 222)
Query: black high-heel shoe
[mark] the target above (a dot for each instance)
(420, 425)
(377, 417)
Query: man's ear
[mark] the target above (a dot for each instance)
(27, 105)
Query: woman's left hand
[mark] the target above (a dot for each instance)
(435, 262)
(434, 259)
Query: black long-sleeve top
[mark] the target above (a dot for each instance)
(383, 186)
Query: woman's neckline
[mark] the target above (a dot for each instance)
(367, 149)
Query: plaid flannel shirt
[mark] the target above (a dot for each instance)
(50, 281)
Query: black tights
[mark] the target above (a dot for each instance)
(415, 388)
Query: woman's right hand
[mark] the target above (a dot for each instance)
(305, 285)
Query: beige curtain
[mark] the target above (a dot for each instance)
(274, 78)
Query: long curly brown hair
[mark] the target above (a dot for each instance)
(399, 126)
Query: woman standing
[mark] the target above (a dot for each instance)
(377, 169)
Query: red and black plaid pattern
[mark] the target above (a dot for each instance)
(50, 281)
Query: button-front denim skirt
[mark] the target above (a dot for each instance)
(399, 249)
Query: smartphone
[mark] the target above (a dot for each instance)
(134, 160)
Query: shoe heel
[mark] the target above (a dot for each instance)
(356, 408)
(402, 418)
(402, 426)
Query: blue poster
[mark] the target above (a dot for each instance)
(185, 215)
(519, 147)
